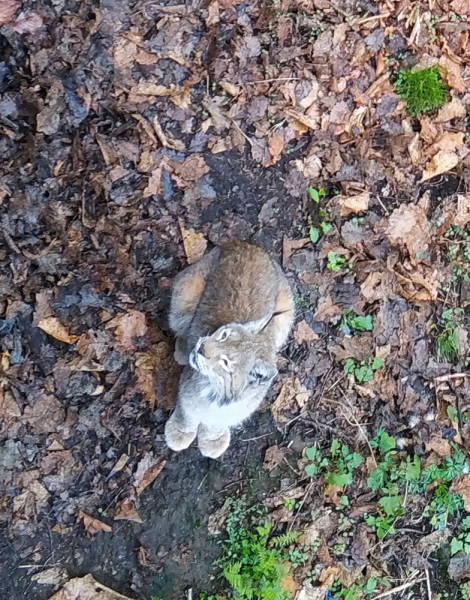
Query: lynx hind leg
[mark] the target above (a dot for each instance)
(213, 442)
(282, 322)
(180, 432)
(187, 291)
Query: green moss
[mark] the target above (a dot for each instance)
(423, 90)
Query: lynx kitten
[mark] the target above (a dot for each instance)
(231, 311)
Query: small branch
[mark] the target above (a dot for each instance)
(400, 588)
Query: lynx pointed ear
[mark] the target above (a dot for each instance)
(262, 372)
(258, 325)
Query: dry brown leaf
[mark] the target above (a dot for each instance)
(27, 22)
(147, 471)
(448, 142)
(450, 71)
(56, 576)
(154, 184)
(291, 397)
(309, 592)
(8, 9)
(93, 526)
(217, 519)
(146, 385)
(273, 457)
(463, 210)
(352, 204)
(442, 162)
(461, 7)
(190, 170)
(359, 347)
(455, 109)
(461, 485)
(126, 511)
(195, 244)
(52, 326)
(86, 588)
(414, 149)
(291, 246)
(441, 447)
(304, 333)
(45, 415)
(129, 326)
(408, 225)
(275, 147)
(326, 308)
(213, 13)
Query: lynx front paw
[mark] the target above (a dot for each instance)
(176, 437)
(213, 444)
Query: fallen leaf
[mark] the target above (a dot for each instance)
(275, 147)
(304, 333)
(408, 225)
(429, 543)
(45, 415)
(326, 308)
(53, 327)
(461, 7)
(448, 142)
(217, 519)
(291, 397)
(441, 447)
(189, 170)
(93, 526)
(450, 72)
(126, 511)
(455, 109)
(309, 592)
(463, 210)
(147, 471)
(8, 9)
(273, 457)
(461, 485)
(27, 22)
(129, 327)
(146, 385)
(352, 204)
(55, 576)
(195, 244)
(154, 184)
(119, 466)
(291, 246)
(442, 162)
(86, 588)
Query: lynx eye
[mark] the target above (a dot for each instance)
(225, 364)
(223, 335)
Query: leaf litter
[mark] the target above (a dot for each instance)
(216, 120)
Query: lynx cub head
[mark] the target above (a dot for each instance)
(235, 358)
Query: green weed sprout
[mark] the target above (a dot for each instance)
(423, 90)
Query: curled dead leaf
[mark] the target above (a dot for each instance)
(93, 526)
(129, 327)
(126, 511)
(147, 471)
(352, 204)
(195, 244)
(442, 162)
(52, 326)
(273, 457)
(408, 225)
(86, 588)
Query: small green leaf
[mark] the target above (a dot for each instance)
(325, 227)
(335, 446)
(456, 545)
(386, 442)
(378, 362)
(349, 366)
(355, 460)
(314, 194)
(362, 323)
(314, 234)
(452, 413)
(370, 585)
(390, 504)
(339, 479)
(311, 470)
(413, 468)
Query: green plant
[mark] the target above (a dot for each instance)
(363, 371)
(253, 562)
(335, 261)
(291, 503)
(315, 194)
(338, 468)
(465, 591)
(446, 340)
(441, 506)
(423, 90)
(462, 540)
(355, 323)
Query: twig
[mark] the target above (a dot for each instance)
(428, 584)
(443, 378)
(242, 132)
(189, 594)
(339, 10)
(356, 422)
(373, 18)
(273, 80)
(400, 588)
(203, 479)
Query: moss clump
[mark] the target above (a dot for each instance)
(423, 90)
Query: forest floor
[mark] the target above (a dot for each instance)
(133, 136)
